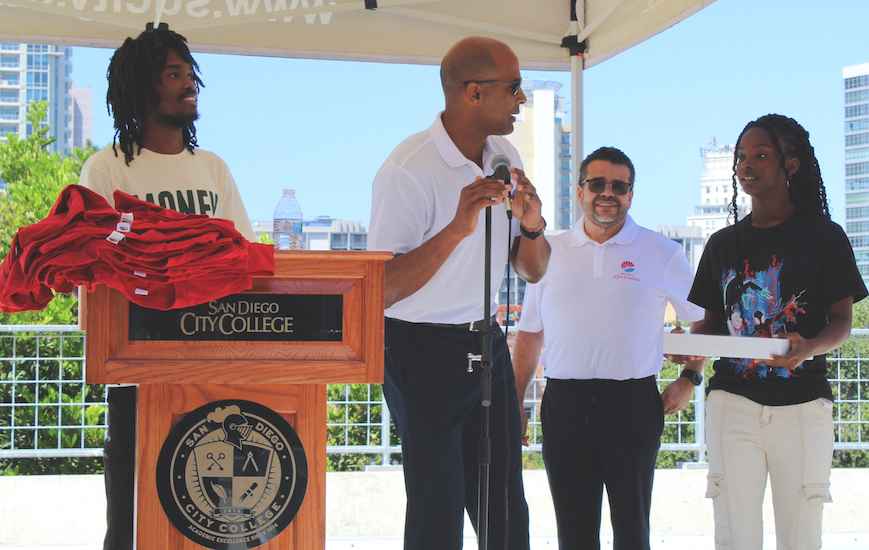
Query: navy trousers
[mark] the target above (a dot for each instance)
(435, 404)
(596, 433)
(119, 461)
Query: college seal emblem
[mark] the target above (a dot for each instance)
(231, 475)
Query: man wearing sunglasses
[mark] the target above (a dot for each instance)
(601, 307)
(428, 209)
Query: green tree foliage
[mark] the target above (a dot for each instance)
(34, 179)
(860, 314)
(58, 411)
(848, 379)
(355, 417)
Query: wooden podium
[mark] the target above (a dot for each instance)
(289, 377)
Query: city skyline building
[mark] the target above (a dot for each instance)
(543, 141)
(325, 233)
(82, 115)
(856, 81)
(716, 192)
(32, 72)
(689, 237)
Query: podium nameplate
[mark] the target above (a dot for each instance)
(244, 317)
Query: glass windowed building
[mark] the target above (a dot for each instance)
(543, 141)
(857, 162)
(31, 72)
(716, 192)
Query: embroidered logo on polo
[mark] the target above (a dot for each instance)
(627, 268)
(231, 475)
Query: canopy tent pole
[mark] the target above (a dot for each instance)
(577, 63)
(161, 6)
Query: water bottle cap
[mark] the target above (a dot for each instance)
(289, 191)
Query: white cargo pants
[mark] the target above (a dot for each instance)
(792, 445)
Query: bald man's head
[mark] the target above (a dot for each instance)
(473, 58)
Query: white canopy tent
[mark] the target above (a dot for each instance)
(543, 33)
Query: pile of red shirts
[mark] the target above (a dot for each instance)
(159, 258)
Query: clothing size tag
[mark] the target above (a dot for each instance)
(115, 237)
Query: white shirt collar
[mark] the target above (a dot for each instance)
(626, 235)
(448, 150)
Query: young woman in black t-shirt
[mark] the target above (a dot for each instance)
(784, 271)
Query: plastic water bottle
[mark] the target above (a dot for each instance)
(287, 228)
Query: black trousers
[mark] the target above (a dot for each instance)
(435, 403)
(596, 433)
(119, 461)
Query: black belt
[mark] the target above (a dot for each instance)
(473, 326)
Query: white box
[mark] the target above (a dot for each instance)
(708, 345)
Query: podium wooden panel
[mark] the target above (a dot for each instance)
(290, 378)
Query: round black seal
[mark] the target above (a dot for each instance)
(232, 475)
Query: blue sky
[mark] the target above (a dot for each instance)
(325, 127)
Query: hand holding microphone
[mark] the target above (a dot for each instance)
(529, 202)
(501, 171)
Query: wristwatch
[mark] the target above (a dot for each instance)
(695, 377)
(529, 235)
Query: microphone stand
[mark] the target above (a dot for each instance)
(485, 457)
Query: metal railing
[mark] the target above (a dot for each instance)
(47, 409)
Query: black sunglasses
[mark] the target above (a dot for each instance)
(515, 85)
(597, 185)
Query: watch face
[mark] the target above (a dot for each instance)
(695, 377)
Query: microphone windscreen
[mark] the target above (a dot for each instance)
(500, 160)
(501, 168)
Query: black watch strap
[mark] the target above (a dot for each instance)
(529, 235)
(695, 377)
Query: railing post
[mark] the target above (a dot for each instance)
(700, 422)
(386, 437)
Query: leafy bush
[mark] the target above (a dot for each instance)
(359, 405)
(44, 411)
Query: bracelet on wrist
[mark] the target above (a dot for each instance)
(532, 234)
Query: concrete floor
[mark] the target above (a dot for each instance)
(365, 511)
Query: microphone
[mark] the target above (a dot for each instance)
(501, 171)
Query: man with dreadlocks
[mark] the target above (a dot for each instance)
(789, 272)
(153, 90)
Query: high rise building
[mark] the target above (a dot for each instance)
(857, 162)
(543, 141)
(716, 192)
(36, 72)
(325, 233)
(82, 116)
(690, 238)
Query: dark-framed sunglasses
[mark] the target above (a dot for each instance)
(597, 186)
(515, 85)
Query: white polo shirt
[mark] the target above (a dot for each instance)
(601, 305)
(415, 195)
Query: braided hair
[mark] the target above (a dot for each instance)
(133, 71)
(805, 186)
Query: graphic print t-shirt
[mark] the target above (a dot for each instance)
(767, 281)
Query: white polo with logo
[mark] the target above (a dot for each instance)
(601, 305)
